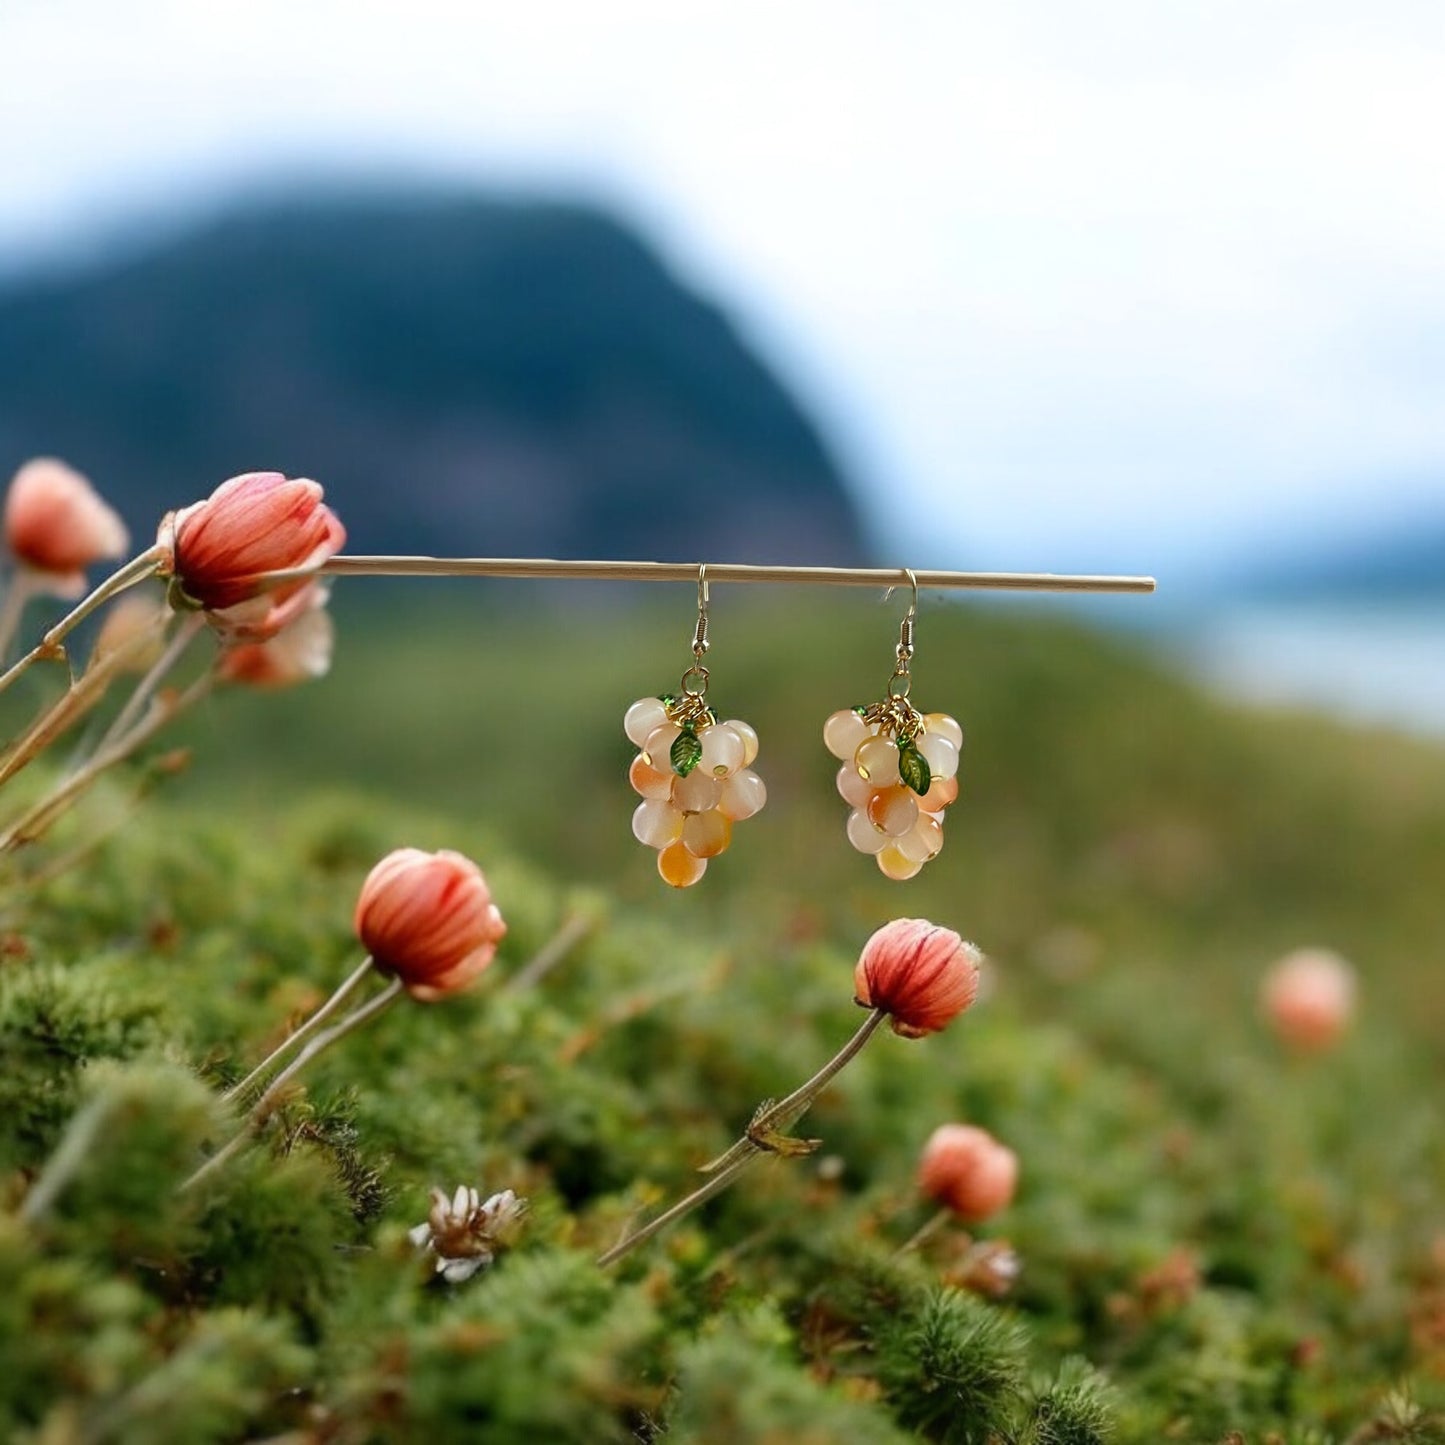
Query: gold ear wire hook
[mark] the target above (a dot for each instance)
(699, 633)
(905, 628)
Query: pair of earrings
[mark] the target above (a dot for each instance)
(695, 778)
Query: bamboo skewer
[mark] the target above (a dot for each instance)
(716, 572)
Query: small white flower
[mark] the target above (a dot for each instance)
(463, 1231)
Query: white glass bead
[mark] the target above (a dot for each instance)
(942, 755)
(940, 725)
(877, 761)
(749, 735)
(843, 733)
(695, 793)
(863, 835)
(924, 840)
(656, 823)
(642, 717)
(722, 750)
(658, 744)
(742, 795)
(854, 791)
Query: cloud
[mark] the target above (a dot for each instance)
(1072, 279)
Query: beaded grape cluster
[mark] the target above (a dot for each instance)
(898, 774)
(694, 775)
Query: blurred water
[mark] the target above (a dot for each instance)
(1379, 664)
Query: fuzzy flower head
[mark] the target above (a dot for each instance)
(429, 919)
(1308, 998)
(464, 1232)
(968, 1171)
(57, 525)
(300, 652)
(921, 975)
(221, 548)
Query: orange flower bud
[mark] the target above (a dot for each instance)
(1308, 998)
(968, 1171)
(919, 973)
(429, 919)
(253, 524)
(57, 524)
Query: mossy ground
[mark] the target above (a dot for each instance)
(1214, 1236)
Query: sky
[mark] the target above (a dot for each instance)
(1119, 286)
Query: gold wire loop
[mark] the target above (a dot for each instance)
(694, 681)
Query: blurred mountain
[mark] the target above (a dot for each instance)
(464, 374)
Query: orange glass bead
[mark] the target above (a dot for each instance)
(680, 868)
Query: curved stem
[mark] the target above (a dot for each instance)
(769, 1120)
(43, 814)
(136, 570)
(295, 1037)
(261, 1109)
(924, 1232)
(152, 680)
(17, 594)
(700, 1195)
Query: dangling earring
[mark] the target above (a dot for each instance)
(693, 773)
(898, 767)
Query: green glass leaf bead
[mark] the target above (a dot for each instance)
(912, 768)
(687, 751)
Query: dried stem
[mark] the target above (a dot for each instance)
(761, 1138)
(261, 1110)
(574, 929)
(136, 570)
(309, 1027)
(43, 814)
(21, 589)
(153, 678)
(924, 1232)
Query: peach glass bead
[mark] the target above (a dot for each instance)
(941, 754)
(647, 781)
(705, 835)
(844, 733)
(877, 761)
(656, 822)
(941, 792)
(643, 717)
(750, 739)
(657, 745)
(893, 810)
(680, 868)
(742, 795)
(939, 724)
(695, 793)
(722, 750)
(896, 864)
(924, 840)
(863, 835)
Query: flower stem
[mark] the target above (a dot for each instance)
(769, 1120)
(152, 680)
(17, 594)
(924, 1232)
(43, 814)
(136, 570)
(295, 1037)
(261, 1109)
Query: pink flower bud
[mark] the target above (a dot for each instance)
(429, 919)
(919, 973)
(1308, 998)
(300, 652)
(253, 524)
(57, 524)
(968, 1171)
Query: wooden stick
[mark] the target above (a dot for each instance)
(716, 572)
